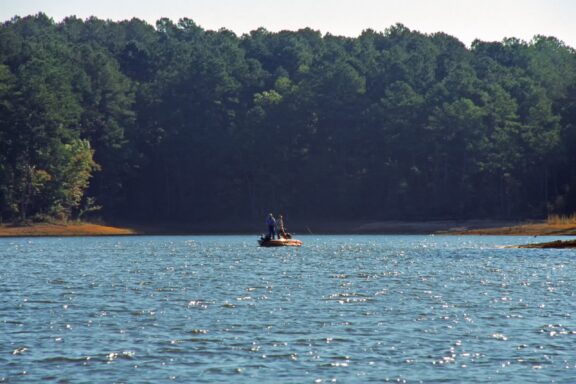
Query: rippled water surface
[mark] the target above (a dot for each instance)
(341, 308)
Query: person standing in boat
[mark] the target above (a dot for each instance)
(271, 223)
(280, 227)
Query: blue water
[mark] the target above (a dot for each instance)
(349, 309)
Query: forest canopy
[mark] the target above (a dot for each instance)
(175, 123)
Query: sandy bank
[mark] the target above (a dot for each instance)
(69, 229)
(529, 229)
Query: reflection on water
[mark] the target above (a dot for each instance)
(343, 308)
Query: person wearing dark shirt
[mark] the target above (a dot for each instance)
(271, 223)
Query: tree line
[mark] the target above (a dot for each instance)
(179, 124)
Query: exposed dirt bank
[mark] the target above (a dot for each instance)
(69, 229)
(529, 229)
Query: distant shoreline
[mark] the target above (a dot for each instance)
(470, 227)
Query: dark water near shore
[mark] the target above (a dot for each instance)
(340, 309)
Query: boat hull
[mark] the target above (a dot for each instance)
(279, 243)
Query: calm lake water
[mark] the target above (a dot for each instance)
(349, 309)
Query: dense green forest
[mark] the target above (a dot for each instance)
(174, 123)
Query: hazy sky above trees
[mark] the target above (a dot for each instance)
(487, 20)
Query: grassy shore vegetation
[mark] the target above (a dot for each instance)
(568, 220)
(176, 124)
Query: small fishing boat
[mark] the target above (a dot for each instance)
(267, 242)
